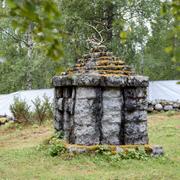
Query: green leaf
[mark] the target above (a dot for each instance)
(12, 4)
(123, 36)
(168, 49)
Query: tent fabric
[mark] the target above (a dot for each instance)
(28, 96)
(158, 90)
(164, 90)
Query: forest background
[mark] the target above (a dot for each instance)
(40, 39)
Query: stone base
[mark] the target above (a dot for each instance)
(153, 150)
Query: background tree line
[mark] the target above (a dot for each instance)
(34, 33)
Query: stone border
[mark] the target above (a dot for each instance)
(153, 150)
(163, 105)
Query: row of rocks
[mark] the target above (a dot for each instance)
(163, 105)
(153, 150)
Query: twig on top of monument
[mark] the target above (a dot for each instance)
(94, 41)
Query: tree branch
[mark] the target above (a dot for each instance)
(13, 36)
(99, 33)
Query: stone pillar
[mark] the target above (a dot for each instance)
(58, 109)
(67, 114)
(111, 118)
(135, 116)
(86, 122)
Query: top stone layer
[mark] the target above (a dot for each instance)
(100, 68)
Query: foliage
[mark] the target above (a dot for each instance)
(129, 154)
(59, 135)
(173, 49)
(116, 20)
(155, 57)
(20, 110)
(134, 154)
(42, 109)
(49, 107)
(56, 147)
(140, 32)
(44, 19)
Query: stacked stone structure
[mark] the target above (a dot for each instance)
(101, 101)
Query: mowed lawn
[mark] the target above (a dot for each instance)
(20, 159)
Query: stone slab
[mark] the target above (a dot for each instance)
(85, 92)
(97, 80)
(88, 135)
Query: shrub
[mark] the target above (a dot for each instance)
(56, 147)
(20, 110)
(49, 107)
(43, 109)
(134, 154)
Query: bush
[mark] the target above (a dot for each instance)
(43, 109)
(49, 108)
(20, 110)
(134, 154)
(56, 146)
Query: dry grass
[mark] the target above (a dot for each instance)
(26, 136)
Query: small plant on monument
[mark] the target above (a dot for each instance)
(20, 110)
(103, 149)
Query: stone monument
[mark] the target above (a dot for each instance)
(101, 101)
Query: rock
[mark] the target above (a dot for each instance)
(76, 150)
(157, 151)
(60, 104)
(110, 133)
(150, 108)
(136, 133)
(119, 149)
(168, 107)
(136, 92)
(135, 116)
(132, 104)
(176, 105)
(112, 93)
(94, 79)
(158, 107)
(84, 93)
(86, 135)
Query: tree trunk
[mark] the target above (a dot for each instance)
(109, 18)
(30, 56)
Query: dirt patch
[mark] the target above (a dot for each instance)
(26, 137)
(155, 119)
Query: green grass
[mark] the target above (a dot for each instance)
(20, 159)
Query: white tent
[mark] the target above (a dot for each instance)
(164, 90)
(158, 90)
(28, 96)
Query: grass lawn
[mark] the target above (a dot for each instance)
(20, 159)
